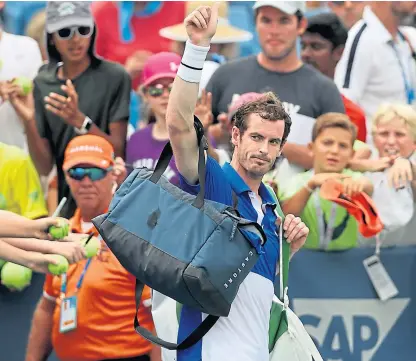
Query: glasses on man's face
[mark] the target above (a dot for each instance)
(158, 89)
(68, 33)
(93, 173)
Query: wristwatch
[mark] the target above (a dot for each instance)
(85, 127)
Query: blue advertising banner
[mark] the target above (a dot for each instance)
(330, 292)
(334, 298)
(16, 312)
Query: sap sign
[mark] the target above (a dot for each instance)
(332, 295)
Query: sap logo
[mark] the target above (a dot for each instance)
(348, 329)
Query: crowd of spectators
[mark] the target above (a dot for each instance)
(100, 74)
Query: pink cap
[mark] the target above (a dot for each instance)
(242, 99)
(158, 66)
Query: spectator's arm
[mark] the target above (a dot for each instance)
(361, 161)
(368, 185)
(32, 244)
(36, 129)
(117, 136)
(298, 154)
(296, 204)
(40, 337)
(351, 77)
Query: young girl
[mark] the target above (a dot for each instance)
(145, 145)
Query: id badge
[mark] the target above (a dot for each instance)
(68, 320)
(380, 279)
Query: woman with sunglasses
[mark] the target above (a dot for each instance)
(86, 314)
(145, 145)
(75, 92)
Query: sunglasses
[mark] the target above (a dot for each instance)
(68, 33)
(158, 89)
(94, 174)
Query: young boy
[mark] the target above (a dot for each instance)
(330, 225)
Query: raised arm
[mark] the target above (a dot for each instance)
(200, 25)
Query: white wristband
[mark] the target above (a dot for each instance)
(193, 60)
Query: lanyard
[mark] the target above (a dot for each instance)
(81, 279)
(325, 234)
(410, 94)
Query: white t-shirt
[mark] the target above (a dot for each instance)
(19, 56)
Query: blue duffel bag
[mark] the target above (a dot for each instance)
(193, 250)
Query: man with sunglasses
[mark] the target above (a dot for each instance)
(74, 93)
(98, 291)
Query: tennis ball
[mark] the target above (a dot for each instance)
(92, 247)
(2, 263)
(61, 267)
(25, 83)
(15, 276)
(60, 231)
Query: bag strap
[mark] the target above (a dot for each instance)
(195, 336)
(284, 248)
(167, 155)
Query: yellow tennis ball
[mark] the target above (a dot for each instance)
(61, 267)
(25, 83)
(60, 231)
(15, 276)
(92, 247)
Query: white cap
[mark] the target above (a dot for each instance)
(288, 7)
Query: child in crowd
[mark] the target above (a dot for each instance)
(331, 226)
(145, 145)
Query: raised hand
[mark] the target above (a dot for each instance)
(203, 109)
(201, 24)
(354, 185)
(401, 173)
(66, 107)
(120, 170)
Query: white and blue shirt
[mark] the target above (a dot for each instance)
(244, 334)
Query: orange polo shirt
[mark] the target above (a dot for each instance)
(106, 308)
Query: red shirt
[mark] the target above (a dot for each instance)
(357, 116)
(109, 42)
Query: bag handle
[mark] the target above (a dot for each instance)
(191, 340)
(167, 155)
(284, 248)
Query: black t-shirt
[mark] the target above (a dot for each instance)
(103, 95)
(304, 91)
